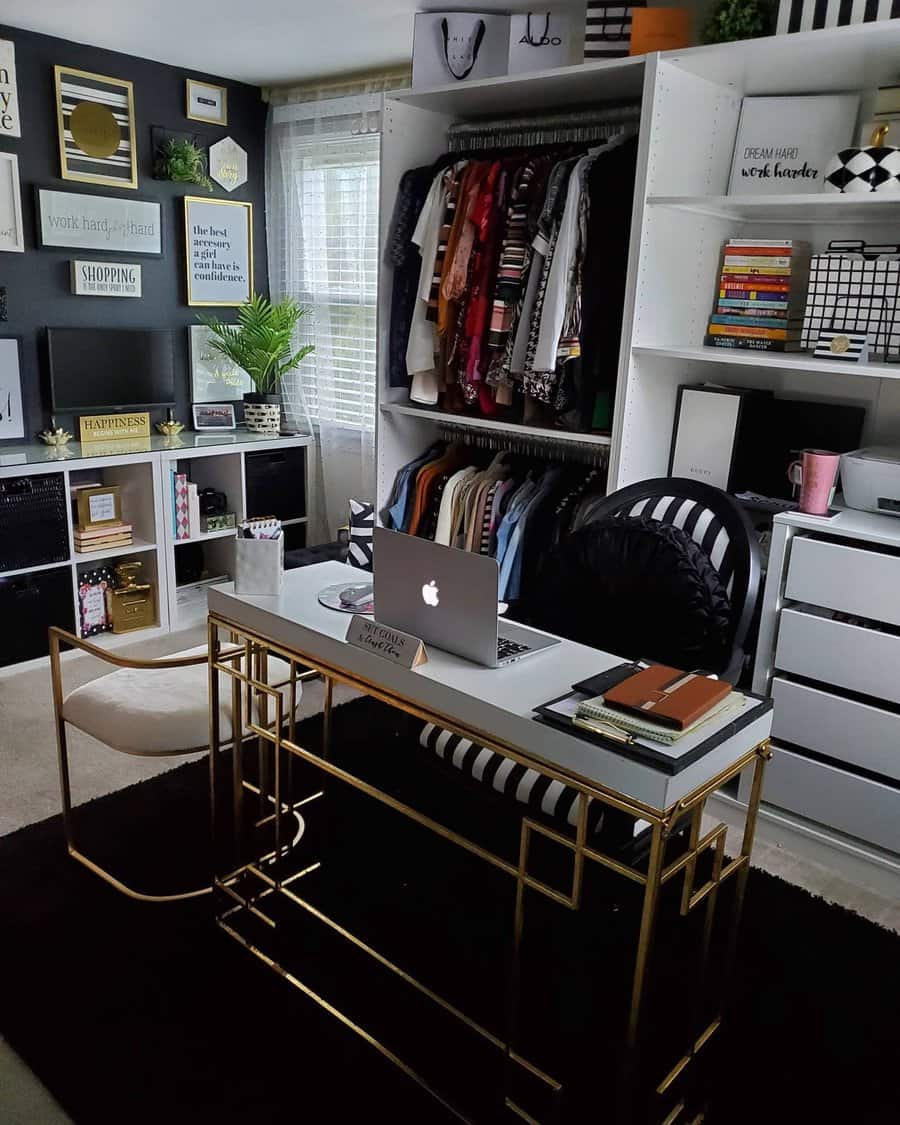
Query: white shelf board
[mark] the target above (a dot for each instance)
(514, 430)
(117, 640)
(831, 60)
(583, 84)
(34, 569)
(820, 207)
(136, 547)
(225, 533)
(783, 361)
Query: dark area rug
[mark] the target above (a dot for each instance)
(144, 1013)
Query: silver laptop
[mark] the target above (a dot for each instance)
(447, 598)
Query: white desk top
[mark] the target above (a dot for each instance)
(497, 701)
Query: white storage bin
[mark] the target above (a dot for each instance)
(540, 40)
(259, 566)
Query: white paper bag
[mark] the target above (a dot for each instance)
(457, 47)
(540, 40)
(259, 566)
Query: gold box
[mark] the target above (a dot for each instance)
(131, 604)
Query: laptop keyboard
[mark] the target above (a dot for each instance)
(507, 648)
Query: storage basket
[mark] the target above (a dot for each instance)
(33, 526)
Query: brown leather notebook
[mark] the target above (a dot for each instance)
(668, 696)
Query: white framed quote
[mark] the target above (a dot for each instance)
(219, 251)
(12, 236)
(105, 279)
(77, 221)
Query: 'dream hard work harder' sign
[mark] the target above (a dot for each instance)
(106, 279)
(391, 644)
(784, 144)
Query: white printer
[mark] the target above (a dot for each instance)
(870, 479)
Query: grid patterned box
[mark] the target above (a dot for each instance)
(851, 293)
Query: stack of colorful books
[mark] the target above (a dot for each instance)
(762, 290)
(97, 539)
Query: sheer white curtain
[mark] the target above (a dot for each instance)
(322, 216)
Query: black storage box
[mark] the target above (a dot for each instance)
(33, 527)
(29, 605)
(276, 483)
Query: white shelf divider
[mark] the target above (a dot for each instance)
(205, 536)
(782, 361)
(441, 417)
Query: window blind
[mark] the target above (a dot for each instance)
(333, 262)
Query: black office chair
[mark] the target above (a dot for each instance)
(680, 585)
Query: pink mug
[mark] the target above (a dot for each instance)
(815, 472)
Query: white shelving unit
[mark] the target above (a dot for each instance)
(145, 487)
(690, 105)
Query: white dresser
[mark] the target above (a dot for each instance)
(829, 655)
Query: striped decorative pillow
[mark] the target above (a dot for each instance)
(362, 524)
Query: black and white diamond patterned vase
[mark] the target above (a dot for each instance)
(860, 170)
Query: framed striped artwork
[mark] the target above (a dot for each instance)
(95, 116)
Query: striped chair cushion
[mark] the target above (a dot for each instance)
(540, 793)
(703, 526)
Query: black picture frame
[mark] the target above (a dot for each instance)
(84, 189)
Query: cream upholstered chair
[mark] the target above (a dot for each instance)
(149, 708)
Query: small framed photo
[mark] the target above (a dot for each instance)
(95, 119)
(206, 102)
(213, 416)
(12, 420)
(98, 507)
(11, 232)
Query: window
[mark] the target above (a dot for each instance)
(335, 273)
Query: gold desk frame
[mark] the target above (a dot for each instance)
(274, 808)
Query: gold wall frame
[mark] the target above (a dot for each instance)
(100, 157)
(193, 203)
(222, 119)
(89, 501)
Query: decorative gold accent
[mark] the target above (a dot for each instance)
(187, 246)
(839, 345)
(223, 120)
(169, 429)
(257, 877)
(90, 177)
(131, 604)
(83, 498)
(94, 129)
(57, 436)
(113, 427)
(879, 134)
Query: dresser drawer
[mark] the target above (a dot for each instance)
(866, 809)
(832, 575)
(851, 732)
(848, 656)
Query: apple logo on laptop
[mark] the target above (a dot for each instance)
(430, 593)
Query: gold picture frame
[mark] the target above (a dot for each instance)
(100, 506)
(221, 291)
(193, 90)
(95, 122)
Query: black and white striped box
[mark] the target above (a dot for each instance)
(607, 29)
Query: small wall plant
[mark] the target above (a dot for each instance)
(180, 161)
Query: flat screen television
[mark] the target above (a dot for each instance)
(105, 368)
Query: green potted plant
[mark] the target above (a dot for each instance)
(178, 159)
(731, 20)
(262, 343)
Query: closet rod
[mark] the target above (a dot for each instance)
(529, 445)
(591, 121)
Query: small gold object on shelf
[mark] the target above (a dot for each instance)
(56, 435)
(171, 427)
(131, 604)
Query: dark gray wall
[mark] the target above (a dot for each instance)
(37, 282)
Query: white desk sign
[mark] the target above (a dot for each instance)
(399, 648)
(10, 126)
(106, 279)
(76, 221)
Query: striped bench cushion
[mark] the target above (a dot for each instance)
(540, 793)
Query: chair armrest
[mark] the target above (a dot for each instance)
(58, 636)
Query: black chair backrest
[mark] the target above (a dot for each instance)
(718, 524)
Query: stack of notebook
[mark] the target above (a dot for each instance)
(117, 534)
(659, 703)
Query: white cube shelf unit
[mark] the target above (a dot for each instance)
(144, 481)
(690, 105)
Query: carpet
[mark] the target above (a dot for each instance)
(149, 1013)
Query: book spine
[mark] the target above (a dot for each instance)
(193, 510)
(762, 296)
(755, 321)
(182, 527)
(758, 250)
(757, 284)
(767, 243)
(748, 261)
(757, 310)
(726, 303)
(776, 272)
(751, 344)
(756, 280)
(751, 332)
